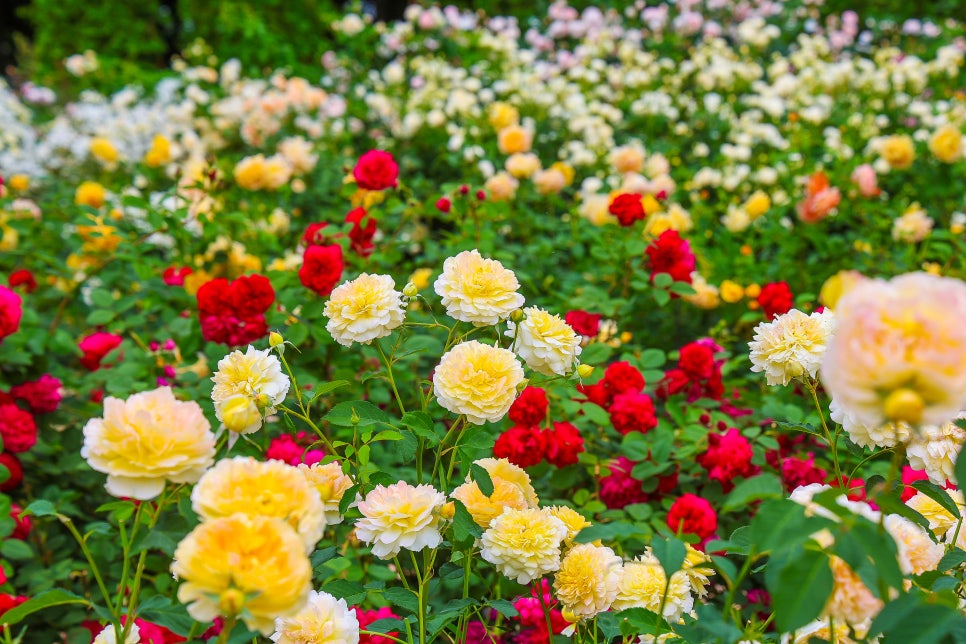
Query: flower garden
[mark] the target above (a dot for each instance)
(606, 325)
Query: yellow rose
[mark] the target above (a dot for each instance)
(160, 152)
(513, 139)
(503, 115)
(898, 151)
(838, 285)
(420, 278)
(731, 292)
(91, 194)
(103, 150)
(946, 143)
(757, 204)
(254, 566)
(19, 182)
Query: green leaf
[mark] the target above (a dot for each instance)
(386, 625)
(421, 424)
(328, 387)
(403, 598)
(640, 621)
(804, 586)
(782, 524)
(608, 625)
(17, 550)
(597, 353)
(763, 486)
(671, 552)
(356, 412)
(465, 529)
(98, 318)
(952, 559)
(911, 619)
(46, 599)
(504, 607)
(938, 495)
(663, 280)
(661, 297)
(482, 478)
(636, 446)
(350, 591)
(651, 359)
(41, 508)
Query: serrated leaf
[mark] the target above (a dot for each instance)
(504, 607)
(41, 601)
(421, 424)
(636, 446)
(671, 552)
(465, 529)
(388, 625)
(803, 588)
(350, 591)
(328, 387)
(356, 412)
(41, 508)
(640, 621)
(938, 495)
(607, 532)
(403, 598)
(763, 486)
(482, 479)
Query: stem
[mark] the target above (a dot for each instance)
(315, 428)
(538, 587)
(227, 627)
(832, 442)
(90, 561)
(132, 605)
(421, 595)
(386, 635)
(389, 376)
(730, 600)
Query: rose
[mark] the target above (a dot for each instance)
(11, 310)
(376, 170)
(96, 346)
(627, 208)
(321, 268)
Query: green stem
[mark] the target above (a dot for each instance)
(735, 585)
(139, 569)
(315, 428)
(386, 635)
(90, 561)
(421, 596)
(832, 442)
(389, 376)
(227, 627)
(538, 587)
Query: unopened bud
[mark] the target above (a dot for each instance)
(231, 601)
(275, 339)
(523, 384)
(410, 290)
(448, 511)
(518, 315)
(904, 405)
(585, 370)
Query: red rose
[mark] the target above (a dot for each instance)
(24, 278)
(675, 381)
(214, 297)
(672, 255)
(13, 466)
(619, 488)
(691, 514)
(17, 427)
(728, 456)
(360, 238)
(596, 393)
(376, 170)
(367, 617)
(697, 360)
(11, 310)
(174, 276)
(321, 268)
(627, 207)
(632, 412)
(530, 407)
(10, 601)
(152, 633)
(622, 377)
(584, 323)
(522, 446)
(797, 472)
(313, 233)
(775, 299)
(96, 346)
(251, 295)
(909, 476)
(22, 526)
(444, 205)
(42, 395)
(563, 444)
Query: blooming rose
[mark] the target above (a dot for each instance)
(254, 566)
(865, 178)
(400, 516)
(671, 254)
(477, 290)
(791, 345)
(255, 376)
(820, 199)
(697, 360)
(524, 544)
(530, 407)
(644, 584)
(15, 469)
(376, 170)
(628, 208)
(584, 323)
(588, 579)
(364, 309)
(146, 440)
(946, 143)
(96, 346)
(912, 226)
(899, 352)
(321, 268)
(11, 310)
(691, 514)
(360, 237)
(331, 483)
(630, 412)
(293, 451)
(522, 446)
(477, 380)
(323, 620)
(514, 139)
(918, 553)
(263, 488)
(775, 298)
(545, 342)
(367, 617)
(728, 456)
(898, 151)
(936, 449)
(563, 444)
(23, 277)
(17, 428)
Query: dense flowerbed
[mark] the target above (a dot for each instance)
(637, 326)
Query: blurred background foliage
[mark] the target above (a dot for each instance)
(137, 40)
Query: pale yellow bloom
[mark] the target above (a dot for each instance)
(90, 193)
(946, 143)
(400, 516)
(757, 204)
(851, 601)
(705, 295)
(898, 151)
(917, 551)
(254, 566)
(642, 584)
(502, 115)
(790, 346)
(628, 158)
(522, 165)
(248, 385)
(574, 521)
(524, 544)
(514, 139)
(331, 483)
(160, 152)
(940, 519)
(501, 186)
(838, 285)
(478, 290)
(243, 485)
(103, 150)
(146, 440)
(484, 508)
(588, 579)
(364, 309)
(324, 620)
(545, 342)
(477, 380)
